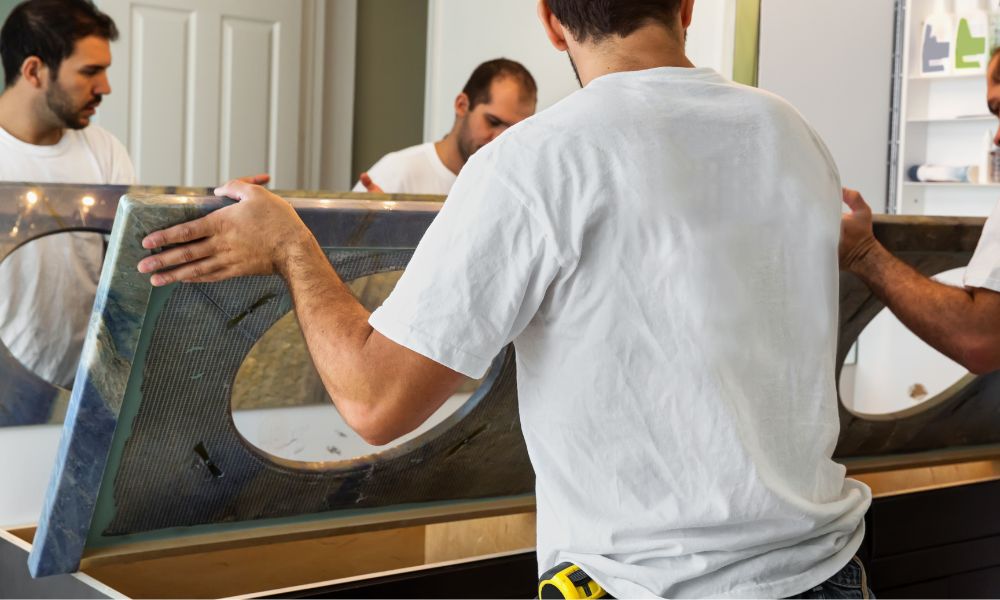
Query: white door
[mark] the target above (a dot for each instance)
(206, 90)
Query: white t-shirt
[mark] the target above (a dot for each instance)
(48, 291)
(661, 248)
(984, 269)
(413, 170)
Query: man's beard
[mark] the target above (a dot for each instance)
(466, 147)
(61, 105)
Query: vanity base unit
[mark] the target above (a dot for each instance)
(933, 530)
(428, 559)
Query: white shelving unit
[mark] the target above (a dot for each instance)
(943, 120)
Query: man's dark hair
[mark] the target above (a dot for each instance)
(49, 29)
(599, 19)
(478, 86)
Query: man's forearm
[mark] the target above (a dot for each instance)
(382, 390)
(333, 322)
(941, 315)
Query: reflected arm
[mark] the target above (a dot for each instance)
(962, 323)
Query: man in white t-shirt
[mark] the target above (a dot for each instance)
(661, 249)
(961, 323)
(55, 56)
(499, 93)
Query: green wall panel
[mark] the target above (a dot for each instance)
(747, 45)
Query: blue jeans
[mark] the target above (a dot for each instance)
(849, 582)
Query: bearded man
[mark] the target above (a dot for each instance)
(55, 54)
(500, 93)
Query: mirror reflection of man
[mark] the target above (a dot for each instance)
(499, 93)
(962, 323)
(55, 55)
(675, 367)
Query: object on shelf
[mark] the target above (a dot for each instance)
(985, 158)
(995, 165)
(944, 173)
(935, 52)
(971, 29)
(994, 16)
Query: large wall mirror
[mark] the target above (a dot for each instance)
(279, 403)
(891, 373)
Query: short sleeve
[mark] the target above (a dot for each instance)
(477, 277)
(984, 269)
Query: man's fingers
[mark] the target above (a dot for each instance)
(370, 185)
(179, 234)
(854, 201)
(180, 255)
(199, 270)
(237, 189)
(258, 179)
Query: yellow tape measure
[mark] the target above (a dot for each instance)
(567, 580)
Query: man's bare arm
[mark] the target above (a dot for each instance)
(963, 324)
(383, 390)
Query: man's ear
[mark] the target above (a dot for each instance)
(687, 13)
(33, 71)
(553, 28)
(461, 105)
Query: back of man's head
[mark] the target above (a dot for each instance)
(478, 87)
(596, 20)
(49, 29)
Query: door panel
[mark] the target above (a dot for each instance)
(160, 75)
(206, 90)
(247, 51)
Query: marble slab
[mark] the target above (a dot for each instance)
(149, 444)
(29, 211)
(149, 450)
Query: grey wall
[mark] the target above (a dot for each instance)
(390, 78)
(6, 6)
(832, 59)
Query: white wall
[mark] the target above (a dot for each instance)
(711, 35)
(464, 33)
(832, 59)
(27, 455)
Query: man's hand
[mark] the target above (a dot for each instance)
(856, 235)
(370, 185)
(254, 237)
(258, 179)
